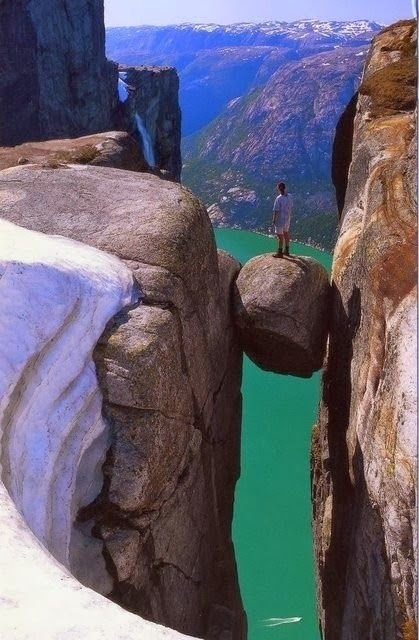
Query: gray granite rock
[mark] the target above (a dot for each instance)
(170, 373)
(55, 81)
(281, 311)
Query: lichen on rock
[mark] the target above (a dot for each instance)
(365, 452)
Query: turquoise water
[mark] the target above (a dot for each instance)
(271, 529)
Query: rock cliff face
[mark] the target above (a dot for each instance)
(152, 94)
(170, 373)
(364, 446)
(55, 81)
(53, 436)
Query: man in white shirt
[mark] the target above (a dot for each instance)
(281, 217)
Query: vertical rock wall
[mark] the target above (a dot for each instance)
(153, 95)
(55, 81)
(364, 456)
(170, 372)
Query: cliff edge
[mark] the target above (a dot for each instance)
(155, 534)
(364, 455)
(55, 80)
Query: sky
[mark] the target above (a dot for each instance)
(160, 12)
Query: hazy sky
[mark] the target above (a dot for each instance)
(136, 12)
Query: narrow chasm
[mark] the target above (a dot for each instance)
(271, 528)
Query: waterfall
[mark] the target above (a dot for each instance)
(147, 145)
(146, 140)
(123, 92)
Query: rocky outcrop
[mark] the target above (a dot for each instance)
(170, 373)
(281, 311)
(55, 81)
(151, 94)
(364, 447)
(111, 149)
(53, 436)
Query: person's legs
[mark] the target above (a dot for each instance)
(287, 243)
(280, 237)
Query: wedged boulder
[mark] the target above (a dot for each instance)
(281, 310)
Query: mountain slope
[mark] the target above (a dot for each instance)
(217, 76)
(281, 131)
(173, 40)
(259, 102)
(219, 62)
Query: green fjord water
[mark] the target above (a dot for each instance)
(271, 528)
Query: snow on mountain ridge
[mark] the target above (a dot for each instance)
(320, 27)
(298, 30)
(325, 28)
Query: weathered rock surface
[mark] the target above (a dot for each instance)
(40, 598)
(152, 94)
(53, 436)
(364, 447)
(55, 81)
(170, 373)
(114, 149)
(281, 311)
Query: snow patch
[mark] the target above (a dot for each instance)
(57, 297)
(323, 28)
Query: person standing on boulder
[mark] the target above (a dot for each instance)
(281, 218)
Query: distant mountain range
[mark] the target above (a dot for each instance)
(260, 102)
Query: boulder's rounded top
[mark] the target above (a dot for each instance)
(134, 216)
(269, 264)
